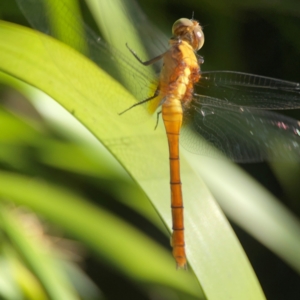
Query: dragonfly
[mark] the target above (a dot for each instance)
(233, 111)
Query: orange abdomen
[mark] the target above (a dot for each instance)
(172, 117)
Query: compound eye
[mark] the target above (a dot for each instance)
(190, 31)
(198, 38)
(180, 26)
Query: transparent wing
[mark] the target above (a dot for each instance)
(242, 133)
(119, 63)
(228, 110)
(250, 90)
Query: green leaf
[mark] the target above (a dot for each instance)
(45, 267)
(115, 241)
(95, 99)
(252, 207)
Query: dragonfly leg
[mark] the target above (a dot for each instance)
(148, 62)
(141, 102)
(157, 119)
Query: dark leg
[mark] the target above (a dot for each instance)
(145, 63)
(157, 119)
(140, 102)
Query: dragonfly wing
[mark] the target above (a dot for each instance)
(243, 134)
(119, 63)
(250, 90)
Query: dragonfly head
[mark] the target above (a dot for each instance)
(190, 31)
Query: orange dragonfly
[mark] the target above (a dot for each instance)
(231, 110)
(180, 71)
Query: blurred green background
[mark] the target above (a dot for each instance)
(260, 37)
